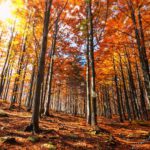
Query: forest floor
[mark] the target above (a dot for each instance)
(66, 132)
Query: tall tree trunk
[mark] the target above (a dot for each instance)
(117, 91)
(28, 102)
(93, 87)
(132, 87)
(141, 46)
(22, 86)
(52, 55)
(7, 83)
(17, 79)
(45, 91)
(142, 96)
(107, 100)
(6, 62)
(41, 65)
(88, 95)
(125, 90)
(121, 102)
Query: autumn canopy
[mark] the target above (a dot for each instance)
(88, 58)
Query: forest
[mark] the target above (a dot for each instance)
(74, 74)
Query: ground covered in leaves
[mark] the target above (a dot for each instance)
(65, 132)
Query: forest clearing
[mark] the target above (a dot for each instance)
(74, 74)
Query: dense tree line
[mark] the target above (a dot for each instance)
(87, 58)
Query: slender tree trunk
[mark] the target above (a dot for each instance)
(6, 63)
(125, 90)
(142, 97)
(132, 88)
(93, 87)
(41, 65)
(47, 103)
(117, 91)
(45, 90)
(51, 65)
(6, 88)
(17, 79)
(28, 103)
(41, 98)
(22, 86)
(107, 100)
(88, 95)
(121, 102)
(141, 46)
(8, 85)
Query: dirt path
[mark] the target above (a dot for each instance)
(66, 132)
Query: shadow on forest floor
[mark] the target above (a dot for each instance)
(68, 132)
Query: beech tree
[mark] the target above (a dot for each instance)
(40, 73)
